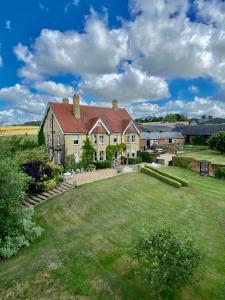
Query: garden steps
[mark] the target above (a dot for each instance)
(38, 198)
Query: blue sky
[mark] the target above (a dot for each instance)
(165, 57)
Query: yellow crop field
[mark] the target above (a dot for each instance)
(18, 130)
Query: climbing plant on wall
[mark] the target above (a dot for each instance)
(111, 150)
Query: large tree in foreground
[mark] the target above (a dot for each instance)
(217, 142)
(166, 261)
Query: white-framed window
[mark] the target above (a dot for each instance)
(77, 157)
(133, 138)
(49, 140)
(101, 155)
(58, 140)
(95, 139)
(59, 157)
(128, 138)
(128, 154)
(76, 140)
(101, 139)
(115, 139)
(133, 153)
(95, 156)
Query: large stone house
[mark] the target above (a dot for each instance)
(66, 126)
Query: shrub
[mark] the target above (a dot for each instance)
(146, 156)
(103, 164)
(111, 150)
(161, 177)
(167, 261)
(134, 160)
(40, 172)
(182, 162)
(220, 173)
(178, 179)
(222, 291)
(49, 184)
(58, 179)
(36, 154)
(10, 245)
(56, 169)
(217, 142)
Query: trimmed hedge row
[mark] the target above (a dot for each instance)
(178, 179)
(134, 160)
(104, 164)
(147, 156)
(161, 177)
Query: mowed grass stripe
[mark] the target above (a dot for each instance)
(89, 231)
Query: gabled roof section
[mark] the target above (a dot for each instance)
(131, 127)
(99, 127)
(114, 121)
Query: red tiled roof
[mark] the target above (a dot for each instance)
(115, 121)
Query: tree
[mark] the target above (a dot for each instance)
(166, 261)
(12, 186)
(88, 152)
(170, 118)
(217, 142)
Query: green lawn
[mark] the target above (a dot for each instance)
(84, 252)
(203, 153)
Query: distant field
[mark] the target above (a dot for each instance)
(18, 130)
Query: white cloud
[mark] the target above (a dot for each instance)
(54, 89)
(96, 51)
(193, 89)
(129, 85)
(8, 25)
(196, 108)
(73, 3)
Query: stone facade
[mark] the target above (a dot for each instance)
(60, 144)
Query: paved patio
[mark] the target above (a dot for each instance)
(92, 176)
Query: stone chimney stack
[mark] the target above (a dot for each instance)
(76, 106)
(65, 101)
(115, 104)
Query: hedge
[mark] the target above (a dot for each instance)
(220, 173)
(147, 156)
(134, 160)
(104, 164)
(178, 179)
(161, 177)
(182, 162)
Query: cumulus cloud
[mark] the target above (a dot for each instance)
(195, 108)
(54, 89)
(96, 51)
(129, 85)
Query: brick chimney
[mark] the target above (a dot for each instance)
(76, 106)
(65, 101)
(115, 104)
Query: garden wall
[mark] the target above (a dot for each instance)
(193, 164)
